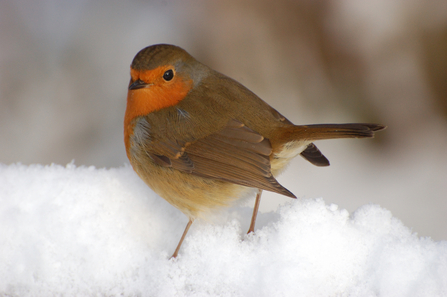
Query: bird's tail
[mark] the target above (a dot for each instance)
(300, 139)
(330, 131)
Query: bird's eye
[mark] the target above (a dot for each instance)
(168, 75)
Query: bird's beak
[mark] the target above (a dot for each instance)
(138, 84)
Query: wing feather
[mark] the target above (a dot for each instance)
(235, 154)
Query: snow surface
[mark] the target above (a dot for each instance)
(82, 231)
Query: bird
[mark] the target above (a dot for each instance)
(201, 140)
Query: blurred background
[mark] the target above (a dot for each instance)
(64, 70)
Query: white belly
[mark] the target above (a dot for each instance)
(289, 151)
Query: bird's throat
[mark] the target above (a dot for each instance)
(141, 102)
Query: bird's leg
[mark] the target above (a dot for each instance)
(255, 211)
(183, 237)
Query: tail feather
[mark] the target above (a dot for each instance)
(293, 140)
(331, 131)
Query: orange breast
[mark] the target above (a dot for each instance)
(160, 94)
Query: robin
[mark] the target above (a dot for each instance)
(201, 140)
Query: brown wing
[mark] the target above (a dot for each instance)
(314, 156)
(234, 154)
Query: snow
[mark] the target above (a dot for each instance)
(82, 231)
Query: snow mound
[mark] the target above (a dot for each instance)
(82, 231)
